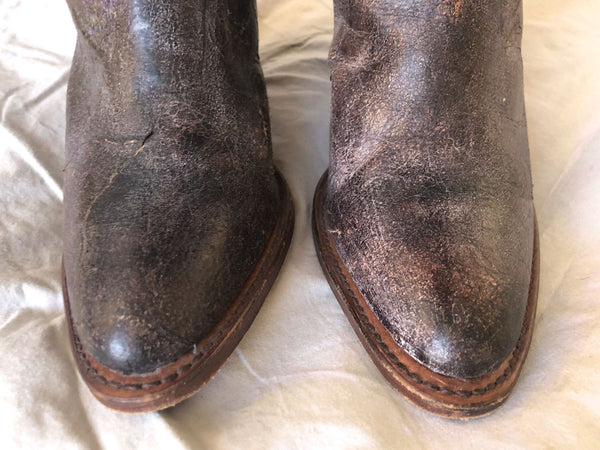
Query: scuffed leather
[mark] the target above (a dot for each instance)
(429, 192)
(170, 191)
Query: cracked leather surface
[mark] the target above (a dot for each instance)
(170, 193)
(429, 192)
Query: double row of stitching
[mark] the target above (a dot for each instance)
(177, 373)
(370, 331)
(131, 386)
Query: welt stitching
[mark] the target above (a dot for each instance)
(370, 329)
(179, 371)
(131, 386)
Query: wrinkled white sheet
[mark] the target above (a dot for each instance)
(300, 378)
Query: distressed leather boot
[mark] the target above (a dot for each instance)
(424, 222)
(176, 222)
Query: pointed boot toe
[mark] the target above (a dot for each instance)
(443, 324)
(176, 222)
(149, 332)
(424, 223)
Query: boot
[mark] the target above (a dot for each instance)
(424, 223)
(176, 222)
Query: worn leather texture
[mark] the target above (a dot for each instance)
(170, 193)
(429, 198)
(300, 378)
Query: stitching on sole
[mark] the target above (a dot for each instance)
(179, 371)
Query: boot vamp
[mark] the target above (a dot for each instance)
(442, 256)
(158, 248)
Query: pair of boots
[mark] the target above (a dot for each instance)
(177, 222)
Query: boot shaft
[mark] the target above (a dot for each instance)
(429, 81)
(165, 40)
(188, 68)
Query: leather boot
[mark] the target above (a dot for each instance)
(424, 222)
(176, 222)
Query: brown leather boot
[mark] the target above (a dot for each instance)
(424, 223)
(176, 222)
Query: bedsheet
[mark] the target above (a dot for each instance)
(300, 378)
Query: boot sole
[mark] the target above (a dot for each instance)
(177, 381)
(442, 395)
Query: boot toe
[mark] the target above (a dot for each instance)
(448, 321)
(448, 277)
(152, 319)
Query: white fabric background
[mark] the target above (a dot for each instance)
(300, 378)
